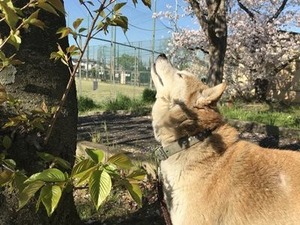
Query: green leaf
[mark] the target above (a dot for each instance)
(99, 187)
(118, 6)
(64, 31)
(120, 21)
(77, 23)
(10, 15)
(28, 192)
(47, 7)
(63, 163)
(15, 39)
(120, 160)
(6, 142)
(134, 2)
(46, 156)
(81, 30)
(96, 155)
(10, 163)
(37, 23)
(48, 175)
(57, 4)
(135, 192)
(19, 180)
(5, 176)
(147, 3)
(53, 159)
(50, 196)
(137, 175)
(83, 170)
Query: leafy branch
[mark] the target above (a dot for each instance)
(92, 172)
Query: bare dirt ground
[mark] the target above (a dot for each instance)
(135, 132)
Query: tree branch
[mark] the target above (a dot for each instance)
(279, 10)
(199, 13)
(243, 7)
(281, 66)
(199, 48)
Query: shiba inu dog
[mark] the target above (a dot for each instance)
(209, 175)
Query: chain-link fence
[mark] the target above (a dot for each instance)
(121, 63)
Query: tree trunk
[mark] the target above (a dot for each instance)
(214, 24)
(38, 79)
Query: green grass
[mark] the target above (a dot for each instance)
(113, 97)
(106, 91)
(260, 113)
(138, 100)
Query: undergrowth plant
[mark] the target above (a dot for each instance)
(92, 172)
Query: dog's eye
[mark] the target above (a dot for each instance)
(179, 74)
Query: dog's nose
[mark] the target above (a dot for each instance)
(162, 56)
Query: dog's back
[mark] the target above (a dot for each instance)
(217, 179)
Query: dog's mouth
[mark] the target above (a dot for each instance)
(156, 74)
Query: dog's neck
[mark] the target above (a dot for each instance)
(181, 144)
(221, 137)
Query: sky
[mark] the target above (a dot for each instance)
(139, 18)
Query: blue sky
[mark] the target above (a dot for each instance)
(139, 17)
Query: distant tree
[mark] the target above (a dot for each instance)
(128, 62)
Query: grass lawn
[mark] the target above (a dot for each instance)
(106, 96)
(281, 116)
(107, 91)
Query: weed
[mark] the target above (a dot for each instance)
(149, 95)
(86, 104)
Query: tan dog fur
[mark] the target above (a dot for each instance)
(221, 180)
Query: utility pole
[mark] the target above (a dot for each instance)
(87, 54)
(79, 69)
(153, 43)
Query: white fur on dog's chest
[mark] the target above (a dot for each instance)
(178, 184)
(173, 180)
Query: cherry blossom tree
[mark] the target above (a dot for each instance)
(246, 40)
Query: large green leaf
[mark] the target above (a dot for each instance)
(96, 155)
(48, 175)
(50, 196)
(83, 170)
(28, 192)
(99, 187)
(135, 192)
(120, 160)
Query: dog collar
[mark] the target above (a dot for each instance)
(162, 153)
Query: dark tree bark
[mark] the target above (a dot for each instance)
(38, 79)
(214, 24)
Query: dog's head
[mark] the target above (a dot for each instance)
(184, 105)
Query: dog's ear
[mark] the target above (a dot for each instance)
(210, 95)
